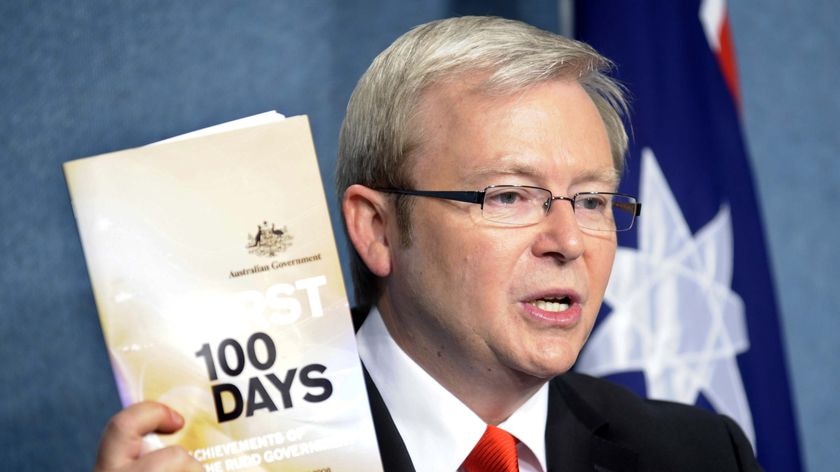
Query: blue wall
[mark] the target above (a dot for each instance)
(789, 64)
(84, 77)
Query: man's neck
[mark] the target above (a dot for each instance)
(492, 395)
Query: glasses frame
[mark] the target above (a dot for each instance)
(477, 197)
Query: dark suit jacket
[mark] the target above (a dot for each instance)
(595, 425)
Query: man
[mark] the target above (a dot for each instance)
(479, 161)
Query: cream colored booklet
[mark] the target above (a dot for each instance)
(219, 291)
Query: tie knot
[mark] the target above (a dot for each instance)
(494, 452)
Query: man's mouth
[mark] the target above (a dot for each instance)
(552, 304)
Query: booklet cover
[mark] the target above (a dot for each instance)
(219, 291)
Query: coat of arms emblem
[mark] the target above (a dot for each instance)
(269, 240)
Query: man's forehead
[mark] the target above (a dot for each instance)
(440, 103)
(455, 110)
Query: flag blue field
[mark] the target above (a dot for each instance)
(690, 314)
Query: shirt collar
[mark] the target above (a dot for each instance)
(527, 424)
(427, 415)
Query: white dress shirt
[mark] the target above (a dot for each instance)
(438, 430)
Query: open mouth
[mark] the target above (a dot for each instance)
(553, 304)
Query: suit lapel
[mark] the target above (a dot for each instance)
(391, 447)
(577, 436)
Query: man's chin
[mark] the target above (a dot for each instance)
(547, 369)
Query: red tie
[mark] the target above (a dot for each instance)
(495, 452)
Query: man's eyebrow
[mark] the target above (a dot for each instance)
(509, 165)
(518, 169)
(609, 176)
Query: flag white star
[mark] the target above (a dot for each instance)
(674, 316)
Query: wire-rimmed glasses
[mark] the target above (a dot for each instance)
(522, 205)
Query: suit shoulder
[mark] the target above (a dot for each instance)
(665, 434)
(615, 401)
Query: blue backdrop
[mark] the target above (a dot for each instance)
(79, 78)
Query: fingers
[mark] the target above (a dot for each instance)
(122, 440)
(169, 459)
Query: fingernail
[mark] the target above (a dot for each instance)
(176, 417)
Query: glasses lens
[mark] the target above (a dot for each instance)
(514, 205)
(604, 211)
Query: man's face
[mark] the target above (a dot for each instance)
(471, 295)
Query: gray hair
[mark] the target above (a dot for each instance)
(377, 134)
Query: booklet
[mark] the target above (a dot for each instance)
(219, 291)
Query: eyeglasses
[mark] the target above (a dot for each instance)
(522, 205)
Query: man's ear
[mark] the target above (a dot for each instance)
(367, 216)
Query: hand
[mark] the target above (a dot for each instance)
(122, 442)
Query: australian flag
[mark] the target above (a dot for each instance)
(690, 313)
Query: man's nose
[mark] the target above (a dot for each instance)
(560, 236)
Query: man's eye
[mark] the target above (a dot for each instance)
(506, 198)
(591, 202)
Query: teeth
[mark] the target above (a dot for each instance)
(549, 305)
